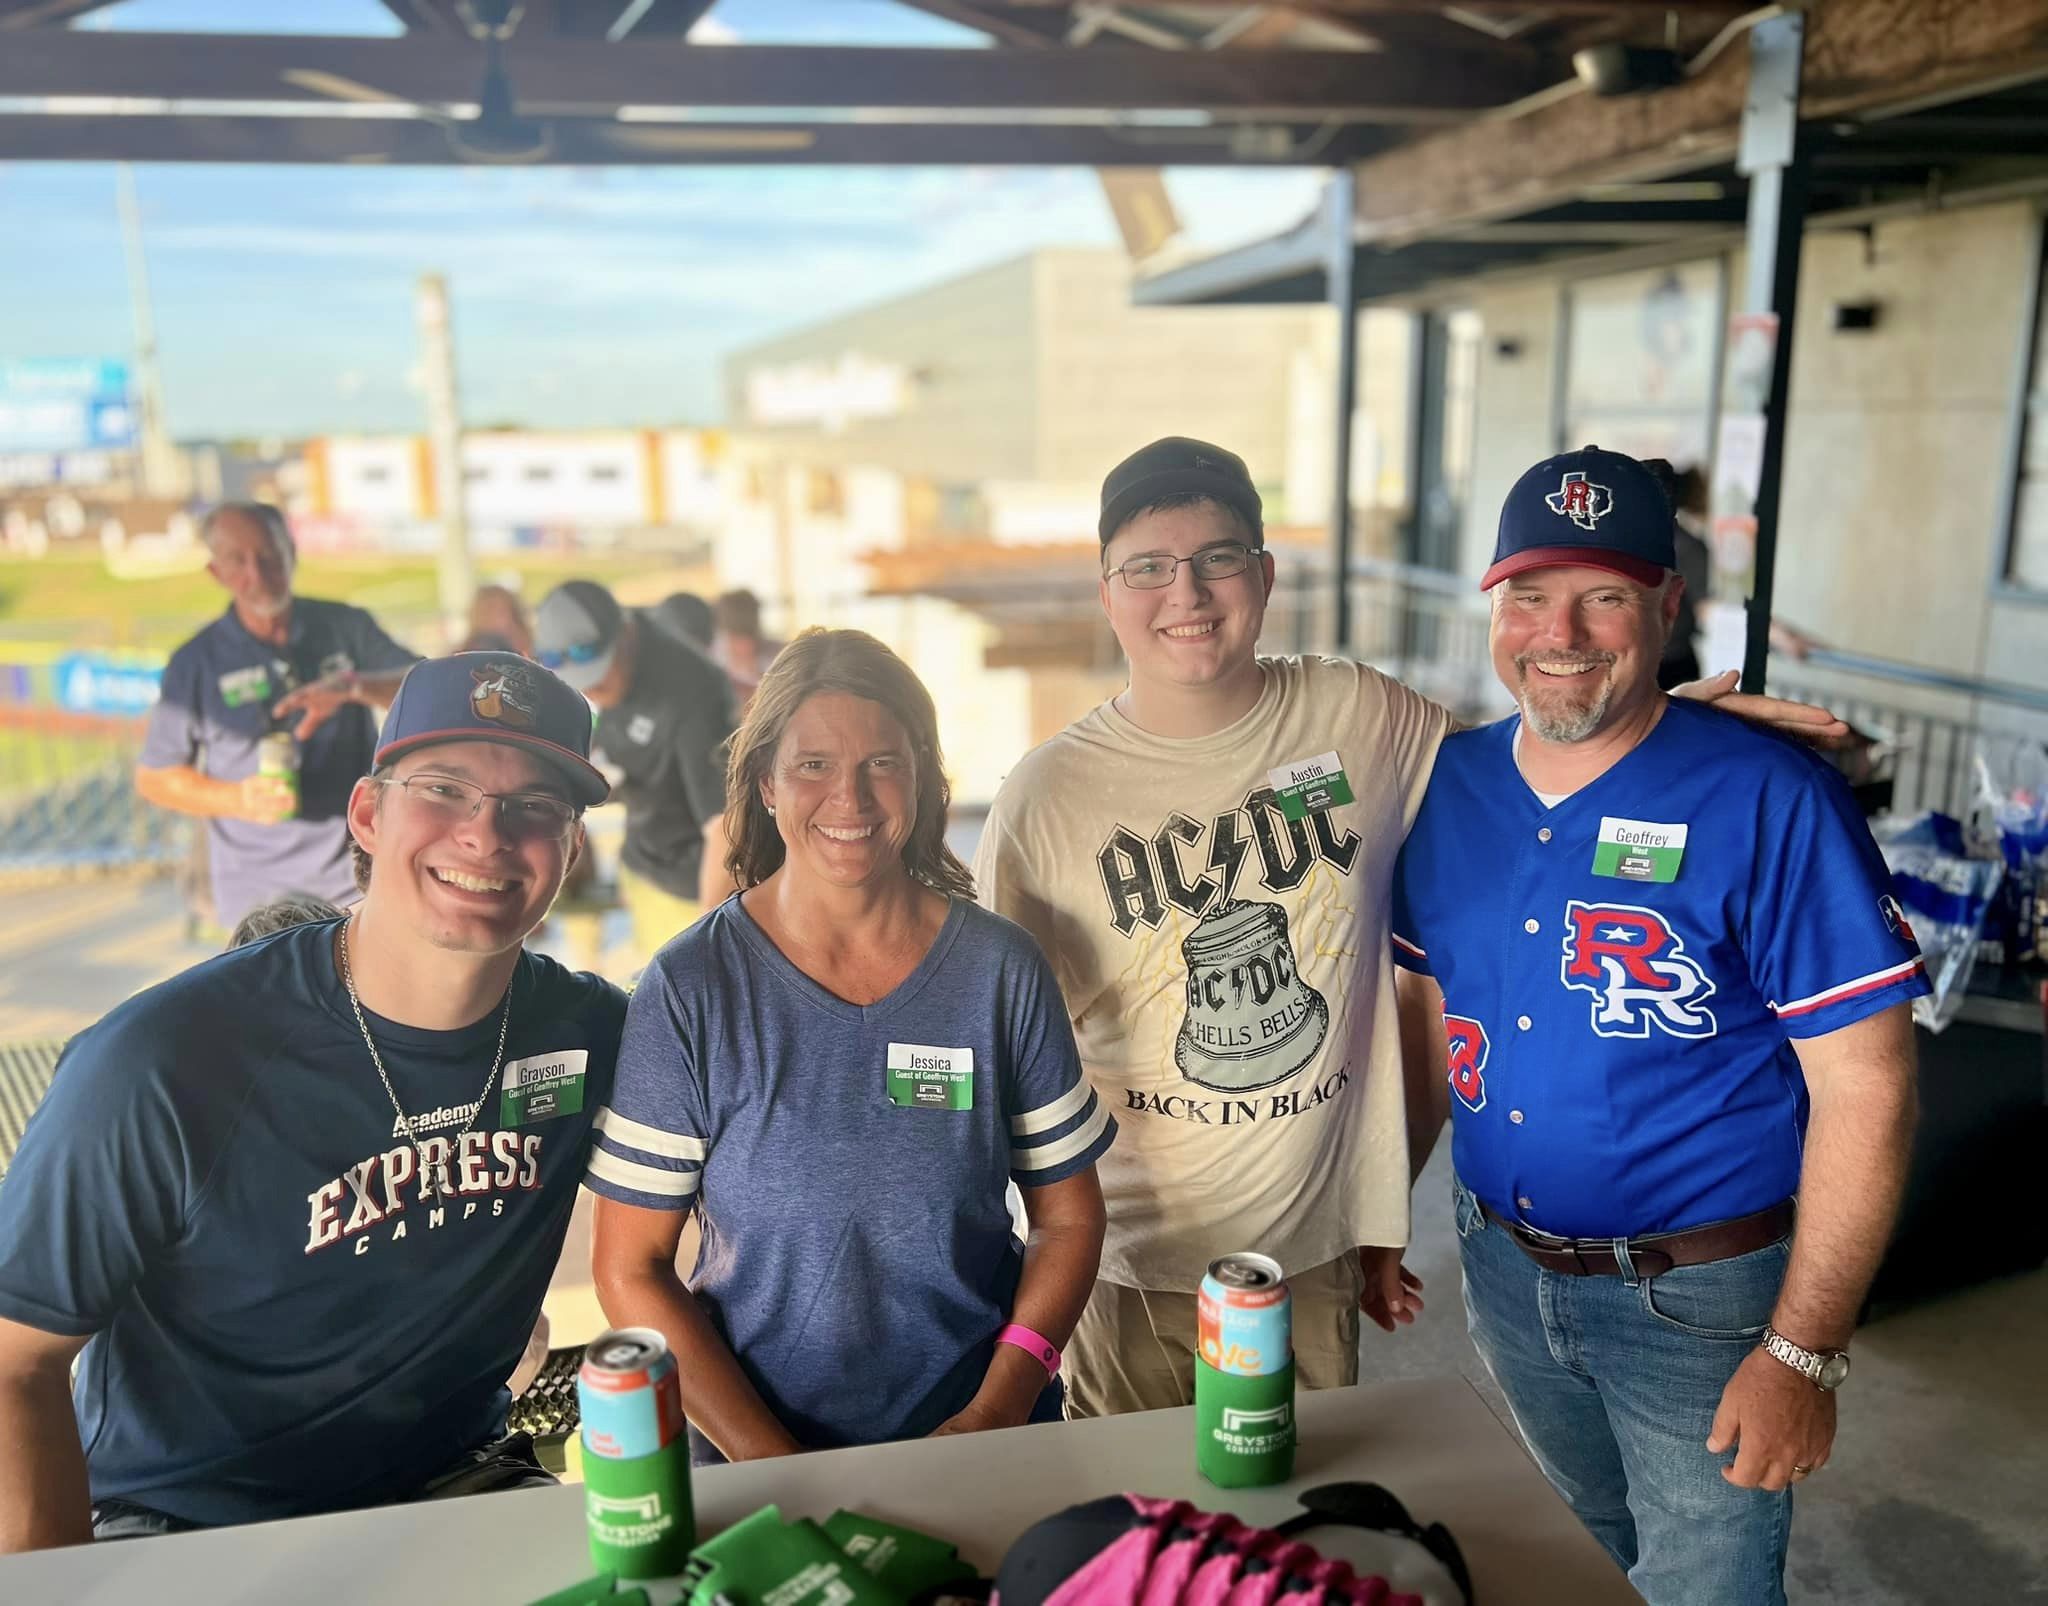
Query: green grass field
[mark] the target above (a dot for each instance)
(70, 600)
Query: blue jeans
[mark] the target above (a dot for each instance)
(1614, 1382)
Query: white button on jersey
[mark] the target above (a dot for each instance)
(1524, 1022)
(1523, 1203)
(1543, 835)
(1515, 1116)
(1532, 926)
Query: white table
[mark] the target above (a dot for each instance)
(1434, 1443)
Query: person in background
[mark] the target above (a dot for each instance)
(665, 711)
(738, 645)
(281, 914)
(294, 1212)
(842, 1070)
(307, 674)
(1687, 489)
(497, 623)
(687, 615)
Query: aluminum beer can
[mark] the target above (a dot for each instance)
(636, 1455)
(631, 1400)
(1244, 1373)
(277, 758)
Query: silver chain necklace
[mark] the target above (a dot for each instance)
(430, 1186)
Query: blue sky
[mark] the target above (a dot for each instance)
(583, 296)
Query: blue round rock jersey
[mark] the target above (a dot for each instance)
(1623, 974)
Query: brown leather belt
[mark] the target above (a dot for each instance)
(1651, 1256)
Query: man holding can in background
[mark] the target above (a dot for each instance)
(265, 720)
(295, 1210)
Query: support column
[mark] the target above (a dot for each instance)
(1338, 210)
(1773, 157)
(444, 445)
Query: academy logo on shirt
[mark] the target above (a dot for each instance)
(1468, 1051)
(1581, 501)
(1637, 970)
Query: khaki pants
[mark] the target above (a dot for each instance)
(1134, 1348)
(657, 914)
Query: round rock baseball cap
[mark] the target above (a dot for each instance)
(494, 697)
(575, 630)
(1590, 509)
(1178, 466)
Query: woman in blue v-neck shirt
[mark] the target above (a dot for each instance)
(842, 1069)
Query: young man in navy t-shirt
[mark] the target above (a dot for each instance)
(298, 1207)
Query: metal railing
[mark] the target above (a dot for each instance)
(1929, 726)
(67, 795)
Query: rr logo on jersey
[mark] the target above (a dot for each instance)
(1637, 970)
(1468, 1059)
(1895, 919)
(1580, 500)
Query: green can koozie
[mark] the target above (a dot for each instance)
(1244, 1427)
(642, 1524)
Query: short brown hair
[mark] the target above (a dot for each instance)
(738, 613)
(853, 662)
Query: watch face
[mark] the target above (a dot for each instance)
(1834, 1372)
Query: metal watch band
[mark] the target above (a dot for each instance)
(1807, 1363)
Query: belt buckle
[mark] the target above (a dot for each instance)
(1532, 1238)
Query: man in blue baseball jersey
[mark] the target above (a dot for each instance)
(1675, 1046)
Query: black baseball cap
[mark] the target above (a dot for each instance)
(1178, 466)
(494, 697)
(1586, 509)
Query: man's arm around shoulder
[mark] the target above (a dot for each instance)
(45, 1500)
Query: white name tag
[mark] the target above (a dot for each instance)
(536, 1068)
(1304, 770)
(1641, 833)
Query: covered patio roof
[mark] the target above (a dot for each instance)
(1088, 82)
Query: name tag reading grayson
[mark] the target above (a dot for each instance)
(925, 1078)
(542, 1086)
(1638, 850)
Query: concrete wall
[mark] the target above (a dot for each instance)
(1891, 535)
(1112, 376)
(1890, 522)
(964, 408)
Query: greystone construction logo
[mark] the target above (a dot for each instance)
(1251, 1020)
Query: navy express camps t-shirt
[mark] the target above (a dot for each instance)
(216, 1189)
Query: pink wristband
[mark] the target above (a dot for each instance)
(1038, 1345)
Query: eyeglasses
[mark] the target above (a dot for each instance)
(522, 816)
(1153, 571)
(582, 653)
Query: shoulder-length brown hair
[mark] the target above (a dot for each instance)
(853, 662)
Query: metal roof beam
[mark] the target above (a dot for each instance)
(590, 142)
(566, 75)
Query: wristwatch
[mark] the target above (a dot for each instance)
(1827, 1369)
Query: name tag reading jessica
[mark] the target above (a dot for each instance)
(1310, 785)
(543, 1086)
(926, 1078)
(1638, 850)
